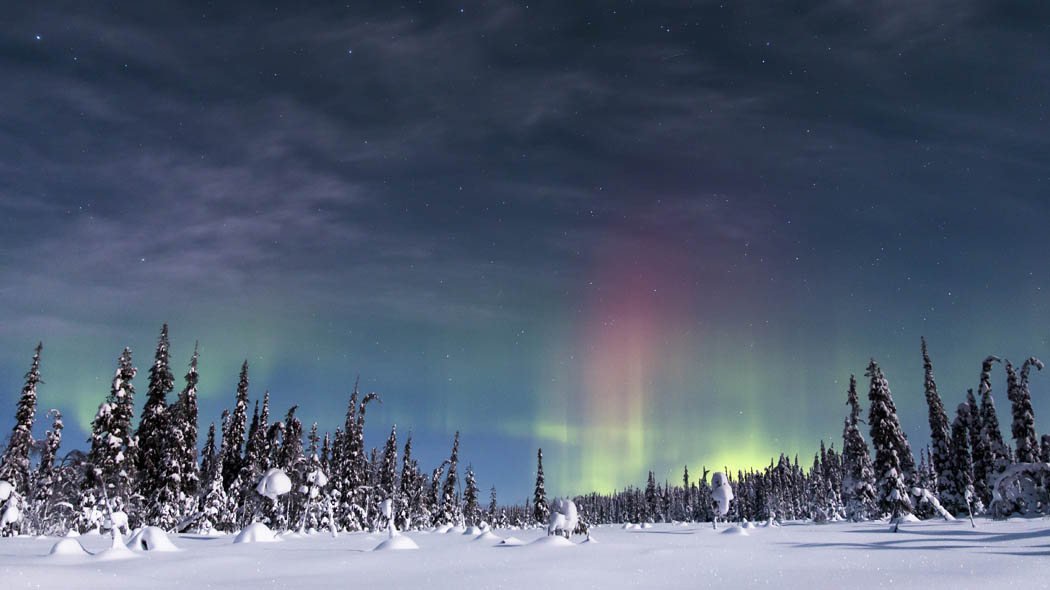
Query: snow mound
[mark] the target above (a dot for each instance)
(73, 533)
(748, 525)
(442, 529)
(511, 542)
(735, 530)
(488, 536)
(256, 532)
(589, 540)
(458, 529)
(117, 551)
(396, 543)
(151, 538)
(553, 541)
(473, 531)
(647, 525)
(67, 547)
(909, 517)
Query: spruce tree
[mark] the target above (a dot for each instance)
(111, 458)
(958, 491)
(233, 436)
(471, 508)
(215, 509)
(47, 477)
(184, 434)
(408, 496)
(1023, 425)
(858, 481)
(888, 439)
(14, 465)
(980, 451)
(388, 466)
(651, 508)
(540, 509)
(940, 430)
(449, 508)
(154, 432)
(998, 452)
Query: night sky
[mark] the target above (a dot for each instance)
(637, 234)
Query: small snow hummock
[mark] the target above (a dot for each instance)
(511, 542)
(473, 531)
(552, 541)
(396, 542)
(256, 532)
(116, 551)
(73, 533)
(735, 530)
(590, 540)
(442, 529)
(489, 537)
(68, 547)
(151, 538)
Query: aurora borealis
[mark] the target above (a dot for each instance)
(637, 234)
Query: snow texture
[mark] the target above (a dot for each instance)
(928, 555)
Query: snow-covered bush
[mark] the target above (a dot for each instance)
(563, 517)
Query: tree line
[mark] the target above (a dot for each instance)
(155, 474)
(966, 469)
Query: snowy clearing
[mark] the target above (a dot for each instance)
(926, 555)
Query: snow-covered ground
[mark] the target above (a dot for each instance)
(928, 555)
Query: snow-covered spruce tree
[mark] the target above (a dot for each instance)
(14, 465)
(493, 512)
(157, 456)
(111, 458)
(408, 493)
(46, 479)
(999, 453)
(153, 429)
(958, 491)
(233, 435)
(354, 509)
(1023, 425)
(858, 479)
(256, 459)
(388, 466)
(450, 513)
(817, 492)
(214, 504)
(209, 463)
(432, 502)
(540, 509)
(888, 439)
(292, 462)
(832, 467)
(940, 430)
(980, 452)
(471, 508)
(387, 482)
(184, 437)
(652, 508)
